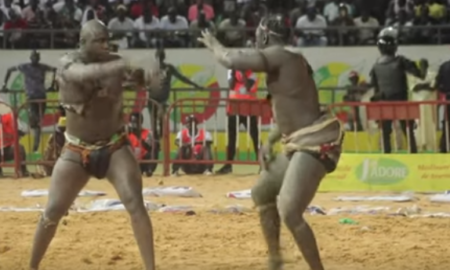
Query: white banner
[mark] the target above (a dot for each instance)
(331, 66)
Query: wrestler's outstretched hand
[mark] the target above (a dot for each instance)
(209, 40)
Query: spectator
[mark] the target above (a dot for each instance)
(15, 37)
(35, 75)
(314, 37)
(397, 6)
(29, 12)
(400, 24)
(137, 9)
(232, 31)
(423, 36)
(343, 37)
(144, 146)
(177, 26)
(68, 11)
(121, 28)
(442, 85)
(7, 7)
(331, 10)
(437, 11)
(53, 149)
(7, 137)
(193, 144)
(200, 6)
(93, 9)
(146, 22)
(39, 22)
(366, 36)
(355, 91)
(297, 12)
(197, 26)
(2, 26)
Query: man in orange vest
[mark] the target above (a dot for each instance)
(243, 86)
(9, 131)
(194, 144)
(144, 146)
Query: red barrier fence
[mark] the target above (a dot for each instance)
(417, 120)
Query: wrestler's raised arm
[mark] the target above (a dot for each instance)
(74, 71)
(264, 60)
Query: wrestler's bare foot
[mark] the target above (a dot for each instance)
(275, 263)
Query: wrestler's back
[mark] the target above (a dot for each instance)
(102, 116)
(295, 99)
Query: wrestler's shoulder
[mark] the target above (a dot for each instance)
(282, 51)
(75, 57)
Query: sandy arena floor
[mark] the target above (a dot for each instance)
(206, 241)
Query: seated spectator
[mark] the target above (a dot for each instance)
(437, 11)
(138, 7)
(252, 12)
(8, 6)
(232, 31)
(145, 148)
(297, 12)
(68, 11)
(198, 7)
(29, 12)
(343, 37)
(177, 27)
(331, 10)
(397, 6)
(423, 36)
(197, 26)
(311, 37)
(14, 37)
(93, 8)
(39, 39)
(147, 22)
(366, 36)
(53, 150)
(193, 144)
(7, 139)
(402, 23)
(121, 28)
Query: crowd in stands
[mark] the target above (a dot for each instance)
(231, 20)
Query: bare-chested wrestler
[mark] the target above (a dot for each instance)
(312, 140)
(90, 81)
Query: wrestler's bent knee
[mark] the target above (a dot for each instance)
(264, 193)
(52, 215)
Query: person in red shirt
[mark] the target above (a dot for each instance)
(15, 23)
(137, 9)
(145, 148)
(8, 134)
(194, 144)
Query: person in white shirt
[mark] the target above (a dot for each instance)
(123, 26)
(366, 36)
(7, 6)
(68, 8)
(313, 37)
(331, 10)
(146, 22)
(193, 143)
(178, 26)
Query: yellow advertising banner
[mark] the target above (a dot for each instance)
(390, 172)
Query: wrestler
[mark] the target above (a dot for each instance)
(90, 81)
(312, 140)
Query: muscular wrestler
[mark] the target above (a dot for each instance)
(90, 81)
(311, 139)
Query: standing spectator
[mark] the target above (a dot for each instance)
(243, 87)
(442, 84)
(331, 10)
(34, 74)
(121, 27)
(366, 36)
(177, 26)
(94, 8)
(232, 31)
(355, 91)
(145, 23)
(197, 26)
(137, 9)
(343, 37)
(13, 26)
(200, 6)
(311, 37)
